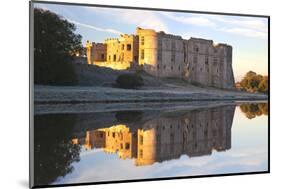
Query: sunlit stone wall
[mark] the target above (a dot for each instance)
(96, 52)
(147, 50)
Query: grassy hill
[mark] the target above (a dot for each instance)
(91, 75)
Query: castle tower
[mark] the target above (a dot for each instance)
(89, 52)
(147, 49)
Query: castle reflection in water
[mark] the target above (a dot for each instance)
(166, 137)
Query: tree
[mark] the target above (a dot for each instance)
(129, 81)
(55, 44)
(250, 74)
(263, 85)
(254, 82)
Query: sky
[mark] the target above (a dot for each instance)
(247, 35)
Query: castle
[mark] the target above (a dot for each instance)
(196, 60)
(166, 137)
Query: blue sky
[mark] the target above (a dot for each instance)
(247, 35)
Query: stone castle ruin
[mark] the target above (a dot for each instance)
(199, 61)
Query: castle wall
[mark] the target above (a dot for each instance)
(96, 52)
(229, 75)
(89, 52)
(118, 53)
(170, 55)
(128, 48)
(113, 45)
(198, 63)
(208, 64)
(99, 50)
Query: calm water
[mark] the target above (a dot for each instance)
(123, 145)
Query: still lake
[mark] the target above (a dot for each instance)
(142, 144)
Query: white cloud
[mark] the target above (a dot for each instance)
(143, 19)
(249, 23)
(193, 20)
(247, 27)
(140, 18)
(109, 30)
(254, 24)
(246, 32)
(101, 166)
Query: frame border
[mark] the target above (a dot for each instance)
(31, 99)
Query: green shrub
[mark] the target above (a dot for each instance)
(129, 81)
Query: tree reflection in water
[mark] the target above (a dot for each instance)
(251, 110)
(53, 150)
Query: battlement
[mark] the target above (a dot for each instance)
(220, 45)
(127, 35)
(171, 36)
(141, 31)
(201, 40)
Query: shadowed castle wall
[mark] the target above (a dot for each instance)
(170, 55)
(209, 64)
